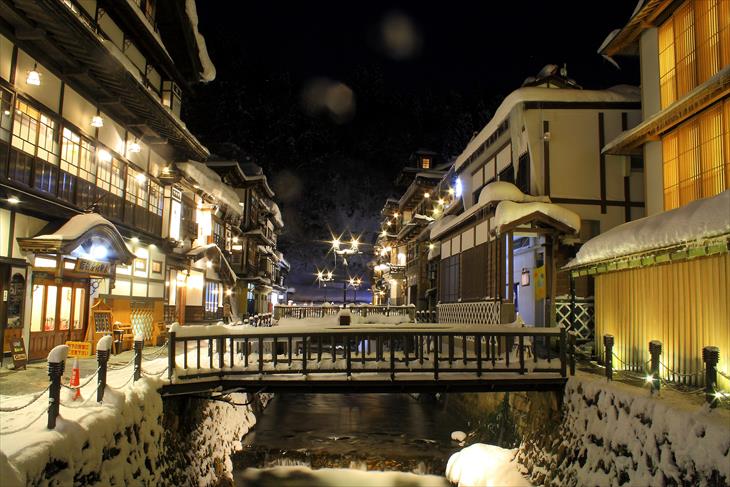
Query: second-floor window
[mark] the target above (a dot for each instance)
(5, 115)
(35, 133)
(77, 156)
(696, 157)
(694, 44)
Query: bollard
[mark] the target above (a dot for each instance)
(102, 359)
(608, 345)
(710, 356)
(56, 366)
(571, 350)
(138, 346)
(655, 350)
(171, 349)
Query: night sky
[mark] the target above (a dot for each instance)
(330, 99)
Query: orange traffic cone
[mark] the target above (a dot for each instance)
(75, 379)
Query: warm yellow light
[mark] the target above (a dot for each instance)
(396, 214)
(388, 222)
(135, 240)
(134, 147)
(336, 243)
(451, 191)
(235, 239)
(431, 246)
(141, 178)
(13, 200)
(34, 77)
(208, 264)
(97, 121)
(320, 275)
(383, 233)
(442, 201)
(426, 195)
(104, 156)
(228, 292)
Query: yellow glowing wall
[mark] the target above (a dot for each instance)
(685, 305)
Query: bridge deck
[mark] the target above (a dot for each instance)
(367, 358)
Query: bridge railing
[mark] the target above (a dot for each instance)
(465, 350)
(301, 312)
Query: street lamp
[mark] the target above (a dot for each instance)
(355, 282)
(324, 276)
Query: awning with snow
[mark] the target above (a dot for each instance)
(696, 229)
(211, 251)
(88, 236)
(534, 218)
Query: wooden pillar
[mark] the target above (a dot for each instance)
(510, 267)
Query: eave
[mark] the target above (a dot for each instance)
(75, 50)
(712, 90)
(626, 41)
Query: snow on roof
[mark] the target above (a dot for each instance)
(621, 93)
(203, 248)
(77, 226)
(509, 211)
(441, 225)
(692, 223)
(211, 183)
(208, 73)
(430, 174)
(504, 191)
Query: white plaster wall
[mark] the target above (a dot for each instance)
(649, 52)
(653, 178)
(6, 56)
(526, 294)
(467, 239)
(78, 111)
(25, 226)
(49, 91)
(4, 231)
(112, 135)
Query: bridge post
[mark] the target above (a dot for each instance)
(710, 356)
(348, 356)
(102, 359)
(221, 352)
(478, 349)
(608, 346)
(56, 366)
(261, 355)
(304, 354)
(571, 351)
(171, 354)
(435, 358)
(392, 357)
(655, 349)
(563, 352)
(138, 345)
(521, 341)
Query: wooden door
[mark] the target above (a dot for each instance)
(58, 314)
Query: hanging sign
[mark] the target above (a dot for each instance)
(17, 348)
(538, 277)
(93, 267)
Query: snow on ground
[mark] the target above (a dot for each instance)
(480, 465)
(339, 477)
(701, 219)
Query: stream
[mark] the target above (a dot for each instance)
(386, 432)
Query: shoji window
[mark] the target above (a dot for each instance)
(695, 161)
(694, 44)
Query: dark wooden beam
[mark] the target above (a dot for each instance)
(30, 34)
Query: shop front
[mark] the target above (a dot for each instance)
(66, 267)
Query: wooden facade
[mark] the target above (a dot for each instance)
(684, 304)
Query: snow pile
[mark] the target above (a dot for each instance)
(277, 215)
(485, 465)
(78, 225)
(337, 477)
(692, 223)
(508, 212)
(208, 73)
(616, 434)
(504, 191)
(211, 183)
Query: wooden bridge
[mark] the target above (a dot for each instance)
(367, 358)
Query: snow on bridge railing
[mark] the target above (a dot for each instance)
(464, 352)
(364, 310)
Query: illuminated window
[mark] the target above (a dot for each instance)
(35, 133)
(695, 161)
(110, 173)
(77, 156)
(426, 163)
(6, 117)
(156, 198)
(694, 44)
(212, 295)
(137, 191)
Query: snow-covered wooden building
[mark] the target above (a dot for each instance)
(544, 145)
(667, 277)
(90, 103)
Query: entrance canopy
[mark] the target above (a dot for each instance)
(535, 217)
(86, 236)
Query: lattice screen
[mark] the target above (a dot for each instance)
(472, 313)
(141, 317)
(584, 316)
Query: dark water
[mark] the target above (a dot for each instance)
(362, 431)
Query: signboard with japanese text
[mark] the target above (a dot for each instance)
(17, 348)
(93, 267)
